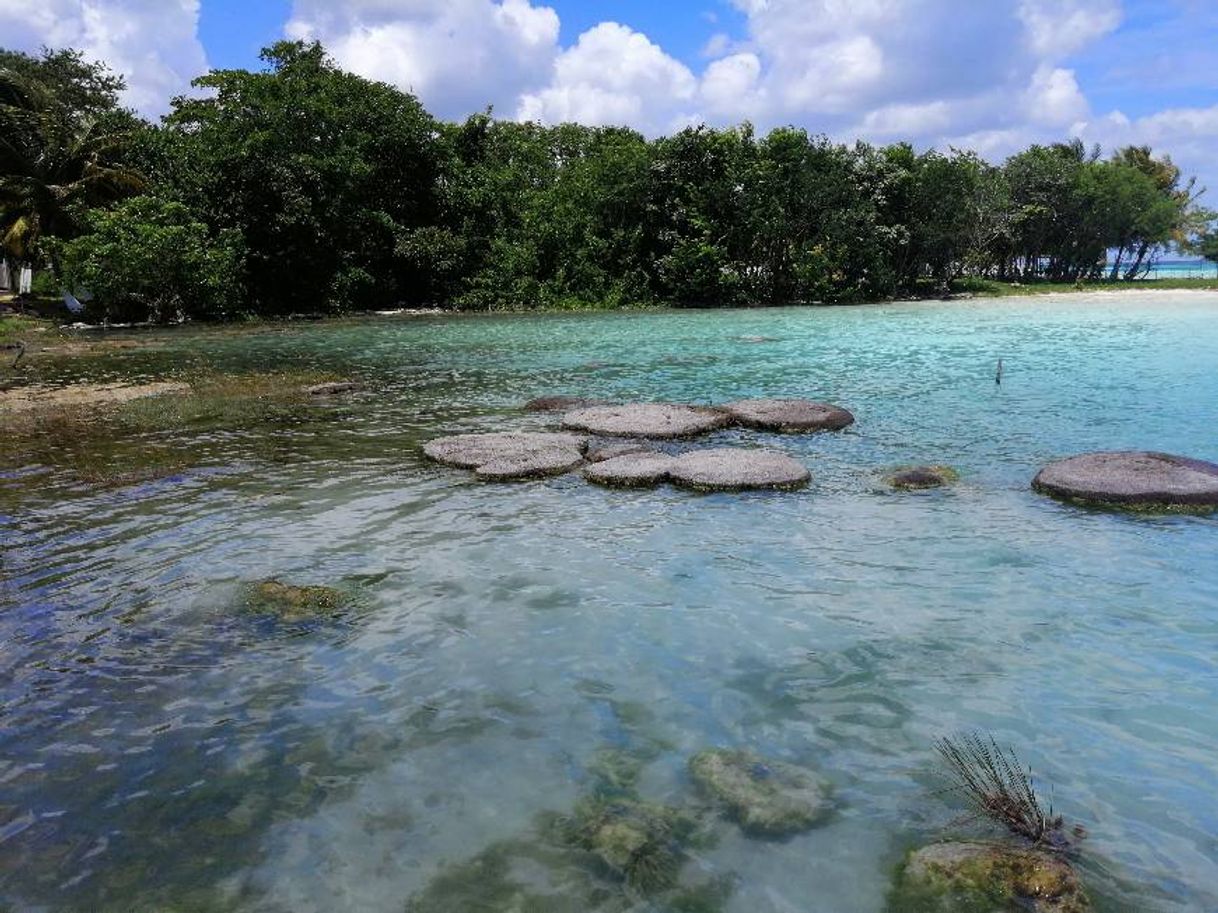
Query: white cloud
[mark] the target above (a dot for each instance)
(614, 75)
(1056, 28)
(730, 85)
(154, 44)
(458, 56)
(1053, 98)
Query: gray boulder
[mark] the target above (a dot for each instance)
(1134, 479)
(737, 469)
(632, 470)
(788, 415)
(646, 420)
(508, 456)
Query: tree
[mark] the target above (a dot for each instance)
(62, 143)
(149, 259)
(324, 174)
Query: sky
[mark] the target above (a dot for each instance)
(988, 75)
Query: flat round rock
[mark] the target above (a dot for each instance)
(647, 420)
(788, 415)
(1136, 478)
(631, 470)
(560, 403)
(737, 469)
(509, 455)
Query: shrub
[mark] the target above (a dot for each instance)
(148, 259)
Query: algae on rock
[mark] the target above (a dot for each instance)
(290, 602)
(767, 798)
(961, 877)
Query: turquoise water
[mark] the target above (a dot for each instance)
(1184, 269)
(163, 752)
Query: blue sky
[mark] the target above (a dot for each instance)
(991, 75)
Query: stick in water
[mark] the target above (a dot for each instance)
(998, 376)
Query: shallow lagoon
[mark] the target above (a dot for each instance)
(162, 751)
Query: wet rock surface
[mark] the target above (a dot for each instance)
(959, 877)
(561, 403)
(632, 470)
(291, 602)
(738, 469)
(914, 478)
(766, 798)
(788, 415)
(507, 456)
(1134, 479)
(598, 453)
(647, 420)
(719, 469)
(333, 388)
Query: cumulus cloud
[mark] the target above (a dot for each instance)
(1056, 28)
(614, 75)
(457, 55)
(154, 44)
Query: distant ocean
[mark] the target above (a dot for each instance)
(1183, 269)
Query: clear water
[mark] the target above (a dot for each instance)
(163, 752)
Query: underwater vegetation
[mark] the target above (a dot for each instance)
(997, 787)
(1026, 870)
(116, 439)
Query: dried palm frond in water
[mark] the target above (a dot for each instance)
(992, 780)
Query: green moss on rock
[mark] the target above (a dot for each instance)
(292, 603)
(643, 843)
(913, 478)
(767, 798)
(987, 878)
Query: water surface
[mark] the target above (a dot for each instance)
(163, 751)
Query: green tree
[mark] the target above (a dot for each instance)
(324, 174)
(62, 147)
(148, 259)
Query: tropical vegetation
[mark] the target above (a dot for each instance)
(304, 188)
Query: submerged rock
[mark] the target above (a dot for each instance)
(634, 470)
(291, 602)
(506, 456)
(788, 415)
(728, 469)
(647, 420)
(918, 477)
(767, 798)
(333, 388)
(641, 842)
(967, 877)
(1133, 479)
(561, 403)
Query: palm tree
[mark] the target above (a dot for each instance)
(54, 161)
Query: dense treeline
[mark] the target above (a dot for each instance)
(304, 188)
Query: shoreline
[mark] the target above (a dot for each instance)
(65, 334)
